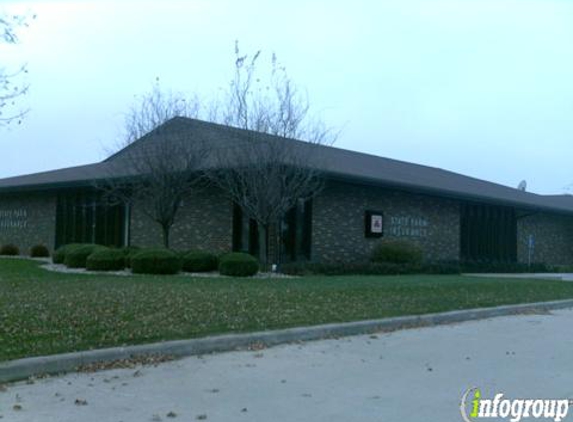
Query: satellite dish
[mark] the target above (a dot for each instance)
(522, 186)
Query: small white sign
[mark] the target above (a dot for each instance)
(376, 224)
(531, 241)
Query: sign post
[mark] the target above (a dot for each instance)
(530, 249)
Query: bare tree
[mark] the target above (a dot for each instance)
(163, 168)
(270, 104)
(154, 108)
(266, 171)
(11, 88)
(267, 175)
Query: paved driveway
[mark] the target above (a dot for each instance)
(411, 375)
(537, 276)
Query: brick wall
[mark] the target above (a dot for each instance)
(553, 235)
(338, 222)
(205, 221)
(28, 219)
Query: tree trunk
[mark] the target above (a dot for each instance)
(263, 247)
(166, 230)
(278, 245)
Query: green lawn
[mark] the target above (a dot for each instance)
(44, 313)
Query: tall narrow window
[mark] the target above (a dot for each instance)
(296, 232)
(488, 233)
(245, 232)
(295, 239)
(83, 217)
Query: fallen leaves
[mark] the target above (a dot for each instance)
(257, 346)
(44, 313)
(131, 363)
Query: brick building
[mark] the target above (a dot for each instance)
(365, 198)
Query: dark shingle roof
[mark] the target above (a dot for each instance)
(565, 200)
(70, 176)
(336, 162)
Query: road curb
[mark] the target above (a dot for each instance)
(20, 369)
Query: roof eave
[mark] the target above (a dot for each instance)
(443, 193)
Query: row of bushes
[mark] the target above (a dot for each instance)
(389, 257)
(396, 251)
(369, 268)
(387, 251)
(389, 268)
(506, 267)
(153, 261)
(396, 257)
(36, 251)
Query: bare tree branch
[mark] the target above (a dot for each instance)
(11, 88)
(165, 166)
(270, 103)
(152, 109)
(267, 176)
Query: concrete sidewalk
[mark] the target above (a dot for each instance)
(411, 375)
(538, 276)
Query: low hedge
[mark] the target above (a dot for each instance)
(59, 255)
(505, 267)
(200, 261)
(106, 260)
(128, 252)
(39, 251)
(155, 261)
(396, 252)
(369, 268)
(77, 257)
(436, 267)
(9, 250)
(562, 268)
(238, 264)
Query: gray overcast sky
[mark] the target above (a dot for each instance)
(479, 87)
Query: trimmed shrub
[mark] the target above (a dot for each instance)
(39, 251)
(504, 267)
(238, 264)
(155, 261)
(396, 252)
(199, 261)
(9, 250)
(59, 254)
(435, 267)
(77, 257)
(106, 260)
(562, 268)
(369, 268)
(128, 253)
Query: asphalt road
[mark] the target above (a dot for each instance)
(411, 375)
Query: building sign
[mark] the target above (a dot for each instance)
(13, 218)
(376, 224)
(408, 226)
(373, 224)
